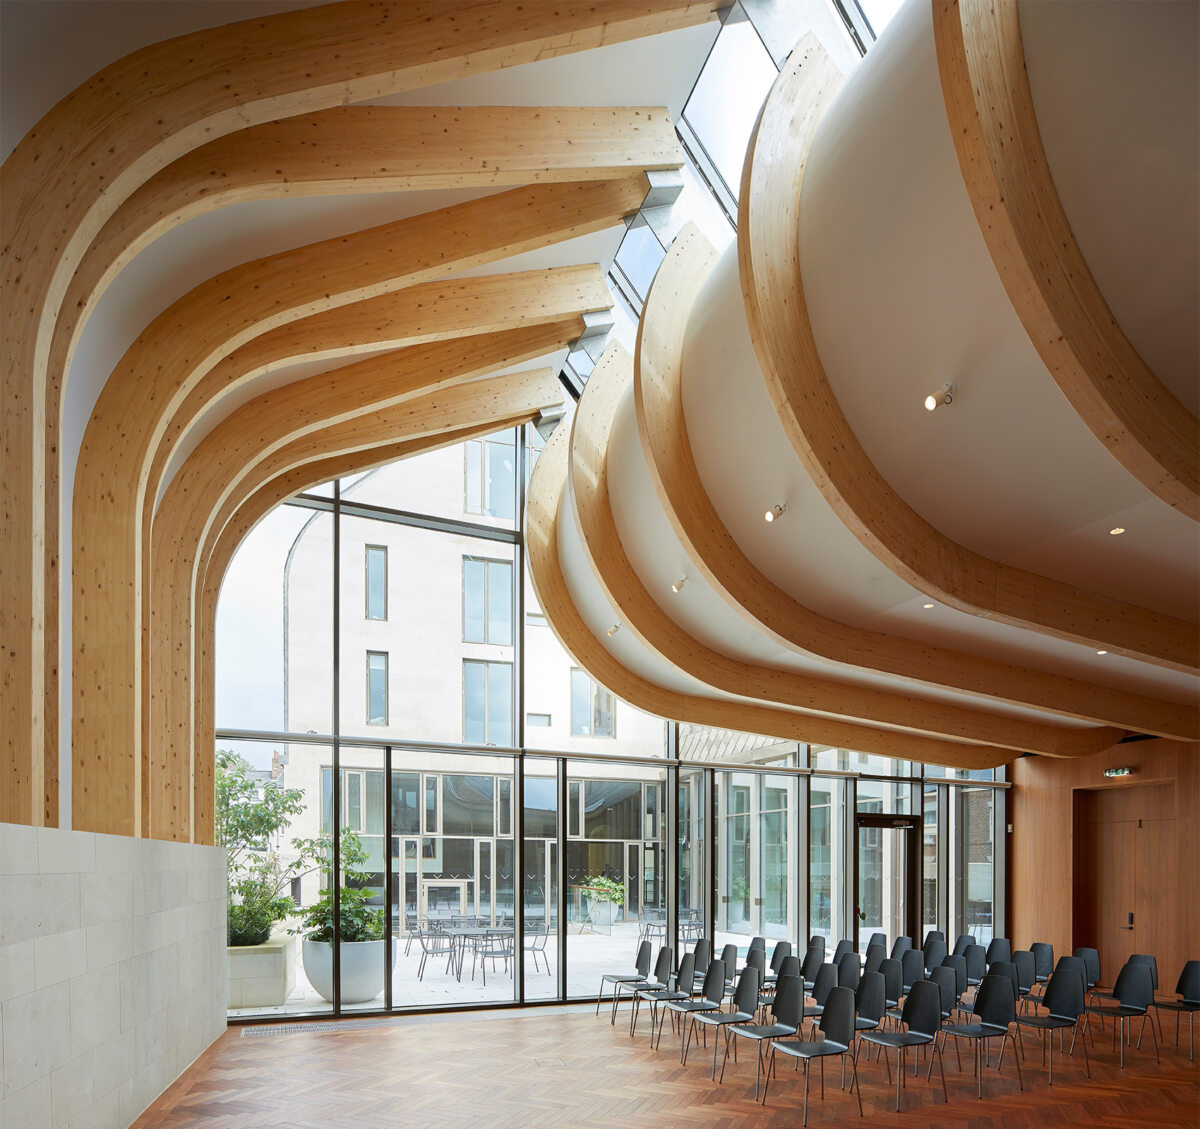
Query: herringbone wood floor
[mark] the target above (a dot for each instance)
(562, 1068)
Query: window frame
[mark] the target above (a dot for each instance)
(386, 695)
(367, 551)
(595, 689)
(487, 562)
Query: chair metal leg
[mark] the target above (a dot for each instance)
(805, 1121)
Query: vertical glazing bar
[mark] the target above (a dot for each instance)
(335, 874)
(561, 868)
(519, 884)
(389, 881)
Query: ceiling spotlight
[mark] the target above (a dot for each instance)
(1116, 531)
(775, 512)
(613, 630)
(943, 395)
(1102, 652)
(926, 606)
(678, 585)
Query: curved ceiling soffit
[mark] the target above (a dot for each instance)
(989, 104)
(125, 436)
(168, 746)
(541, 531)
(426, 312)
(322, 468)
(66, 177)
(667, 450)
(588, 480)
(773, 290)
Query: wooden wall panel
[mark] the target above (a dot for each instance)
(1053, 811)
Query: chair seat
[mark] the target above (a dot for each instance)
(898, 1039)
(1120, 1011)
(663, 995)
(723, 1017)
(865, 1024)
(1178, 1005)
(975, 1030)
(802, 1048)
(814, 1012)
(765, 1031)
(1045, 1022)
(694, 1005)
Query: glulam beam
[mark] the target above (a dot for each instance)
(989, 105)
(912, 548)
(876, 706)
(662, 430)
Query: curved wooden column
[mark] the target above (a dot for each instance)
(990, 108)
(541, 517)
(124, 442)
(67, 176)
(323, 468)
(668, 453)
(773, 289)
(204, 496)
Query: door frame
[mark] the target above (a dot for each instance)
(912, 824)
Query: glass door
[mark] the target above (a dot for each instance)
(886, 864)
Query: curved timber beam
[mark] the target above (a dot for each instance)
(588, 478)
(322, 468)
(773, 289)
(183, 532)
(126, 445)
(981, 63)
(68, 175)
(541, 517)
(668, 453)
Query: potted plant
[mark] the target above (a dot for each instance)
(605, 895)
(361, 924)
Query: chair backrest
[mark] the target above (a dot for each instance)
(947, 984)
(1075, 967)
(714, 982)
(912, 963)
(788, 1006)
(965, 940)
(789, 966)
(813, 960)
(998, 949)
(878, 939)
(976, 958)
(816, 941)
(685, 980)
(837, 1020)
(757, 958)
(871, 998)
(995, 1005)
(922, 1013)
(900, 946)
(957, 965)
(1188, 985)
(1007, 969)
(1026, 969)
(843, 947)
(1133, 987)
(826, 980)
(729, 960)
(1091, 962)
(1043, 958)
(934, 950)
(782, 950)
(1064, 994)
(1148, 959)
(893, 978)
(758, 943)
(848, 971)
(642, 963)
(703, 953)
(745, 995)
(663, 965)
(876, 955)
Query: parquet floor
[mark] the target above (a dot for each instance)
(560, 1068)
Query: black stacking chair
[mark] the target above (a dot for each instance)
(976, 958)
(710, 1000)
(1135, 994)
(900, 946)
(782, 950)
(965, 940)
(1026, 966)
(876, 955)
(703, 953)
(1091, 961)
(729, 958)
(787, 1011)
(912, 965)
(870, 1002)
(893, 978)
(837, 1025)
(878, 939)
(1043, 960)
(1137, 958)
(825, 983)
(848, 971)
(813, 959)
(995, 1008)
(1188, 990)
(641, 971)
(922, 1021)
(745, 1004)
(1063, 1000)
(943, 976)
(789, 967)
(934, 951)
(959, 964)
(682, 990)
(659, 981)
(998, 949)
(843, 947)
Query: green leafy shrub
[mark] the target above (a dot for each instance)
(359, 920)
(606, 889)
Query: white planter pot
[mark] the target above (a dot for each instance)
(362, 969)
(602, 912)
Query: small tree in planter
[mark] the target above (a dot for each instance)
(361, 924)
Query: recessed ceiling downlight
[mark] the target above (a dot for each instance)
(1116, 531)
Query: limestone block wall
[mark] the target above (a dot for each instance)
(112, 972)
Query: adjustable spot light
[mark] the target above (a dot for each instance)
(943, 395)
(613, 630)
(677, 587)
(775, 512)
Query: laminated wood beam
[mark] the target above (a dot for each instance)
(541, 532)
(98, 145)
(712, 548)
(645, 618)
(414, 392)
(981, 63)
(773, 289)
